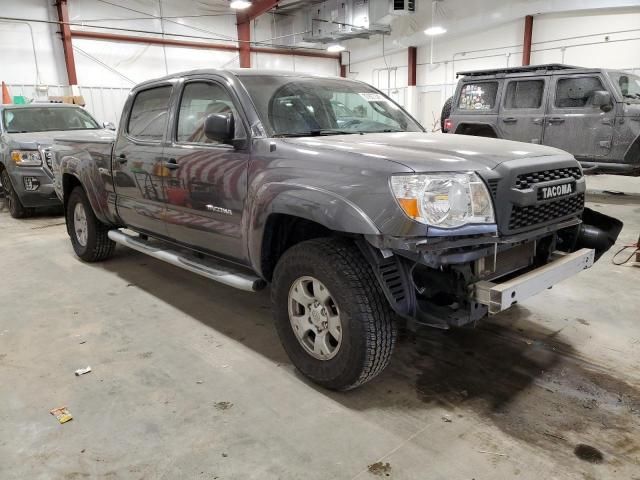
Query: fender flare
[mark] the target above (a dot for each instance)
(315, 204)
(479, 124)
(89, 179)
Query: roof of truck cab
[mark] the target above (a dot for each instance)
(238, 72)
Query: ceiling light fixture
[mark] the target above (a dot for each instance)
(336, 47)
(239, 4)
(437, 30)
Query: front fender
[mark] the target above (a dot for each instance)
(309, 202)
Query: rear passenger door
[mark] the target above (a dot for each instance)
(573, 123)
(206, 183)
(522, 113)
(137, 160)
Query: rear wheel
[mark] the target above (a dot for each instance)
(89, 236)
(14, 205)
(331, 316)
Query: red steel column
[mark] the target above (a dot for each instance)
(244, 45)
(412, 62)
(528, 33)
(65, 31)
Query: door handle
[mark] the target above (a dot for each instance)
(509, 119)
(122, 158)
(538, 121)
(553, 120)
(172, 164)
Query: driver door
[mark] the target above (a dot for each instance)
(205, 181)
(572, 122)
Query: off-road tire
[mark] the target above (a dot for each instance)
(446, 111)
(368, 328)
(14, 205)
(99, 246)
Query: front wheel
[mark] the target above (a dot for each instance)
(89, 236)
(331, 315)
(14, 205)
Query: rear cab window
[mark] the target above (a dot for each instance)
(149, 113)
(524, 94)
(478, 96)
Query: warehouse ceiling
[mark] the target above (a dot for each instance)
(316, 23)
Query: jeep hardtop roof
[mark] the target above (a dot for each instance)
(527, 69)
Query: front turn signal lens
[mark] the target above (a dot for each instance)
(26, 158)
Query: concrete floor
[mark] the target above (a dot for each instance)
(189, 379)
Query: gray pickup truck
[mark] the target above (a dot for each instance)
(247, 177)
(26, 133)
(592, 113)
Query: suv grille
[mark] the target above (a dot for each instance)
(525, 180)
(532, 215)
(48, 159)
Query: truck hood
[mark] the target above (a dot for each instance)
(424, 152)
(33, 140)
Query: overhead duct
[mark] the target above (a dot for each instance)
(337, 20)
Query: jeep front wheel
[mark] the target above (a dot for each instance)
(332, 318)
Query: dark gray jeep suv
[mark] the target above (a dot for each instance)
(592, 113)
(358, 221)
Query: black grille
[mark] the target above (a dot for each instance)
(532, 215)
(48, 158)
(525, 180)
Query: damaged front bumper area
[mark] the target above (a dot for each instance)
(452, 281)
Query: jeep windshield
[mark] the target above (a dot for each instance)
(47, 119)
(305, 106)
(628, 86)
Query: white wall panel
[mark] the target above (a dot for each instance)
(17, 63)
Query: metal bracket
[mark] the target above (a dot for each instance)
(501, 296)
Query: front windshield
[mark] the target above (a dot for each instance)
(46, 119)
(301, 106)
(628, 86)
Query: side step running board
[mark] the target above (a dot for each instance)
(205, 267)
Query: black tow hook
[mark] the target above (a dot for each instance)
(598, 231)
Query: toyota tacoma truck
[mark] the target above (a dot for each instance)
(247, 177)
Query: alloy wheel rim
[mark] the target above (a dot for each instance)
(315, 318)
(80, 224)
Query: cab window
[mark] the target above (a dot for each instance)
(524, 94)
(148, 118)
(199, 100)
(478, 96)
(576, 92)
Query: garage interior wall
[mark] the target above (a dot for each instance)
(608, 38)
(106, 69)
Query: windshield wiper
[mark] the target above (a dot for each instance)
(631, 95)
(332, 131)
(315, 133)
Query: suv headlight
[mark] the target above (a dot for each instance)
(26, 158)
(445, 200)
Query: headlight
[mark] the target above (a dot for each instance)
(26, 158)
(445, 200)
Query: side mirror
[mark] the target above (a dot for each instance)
(108, 125)
(602, 99)
(220, 127)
